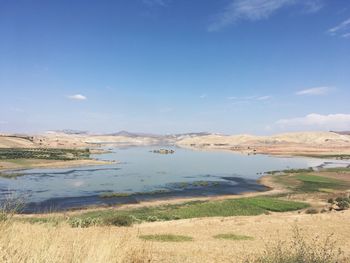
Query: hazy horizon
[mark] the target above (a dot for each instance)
(166, 66)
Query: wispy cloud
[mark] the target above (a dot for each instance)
(248, 99)
(77, 97)
(203, 96)
(343, 29)
(155, 2)
(264, 98)
(315, 91)
(316, 121)
(254, 10)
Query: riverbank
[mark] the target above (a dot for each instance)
(22, 164)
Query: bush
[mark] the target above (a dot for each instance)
(342, 202)
(152, 219)
(84, 222)
(342, 199)
(119, 220)
(311, 211)
(343, 205)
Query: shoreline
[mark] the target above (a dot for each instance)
(266, 181)
(12, 166)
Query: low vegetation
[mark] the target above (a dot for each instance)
(230, 207)
(311, 182)
(166, 238)
(234, 237)
(43, 153)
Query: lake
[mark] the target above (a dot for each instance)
(143, 175)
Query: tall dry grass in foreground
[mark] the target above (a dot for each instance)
(23, 242)
(50, 243)
(60, 243)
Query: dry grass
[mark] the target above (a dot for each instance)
(20, 242)
(25, 242)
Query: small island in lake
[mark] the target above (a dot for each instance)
(164, 151)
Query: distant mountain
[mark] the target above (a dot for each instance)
(134, 134)
(158, 136)
(342, 132)
(71, 132)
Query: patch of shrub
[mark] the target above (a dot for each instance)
(119, 220)
(84, 222)
(152, 219)
(343, 205)
(342, 202)
(311, 210)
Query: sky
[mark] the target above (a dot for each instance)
(174, 66)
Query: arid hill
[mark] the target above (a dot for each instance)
(298, 143)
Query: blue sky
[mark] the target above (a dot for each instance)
(170, 66)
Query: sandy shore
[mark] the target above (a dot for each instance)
(37, 163)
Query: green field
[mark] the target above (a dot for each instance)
(43, 154)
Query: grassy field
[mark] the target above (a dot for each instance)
(195, 209)
(308, 182)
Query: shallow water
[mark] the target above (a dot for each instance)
(141, 173)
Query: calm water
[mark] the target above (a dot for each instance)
(141, 171)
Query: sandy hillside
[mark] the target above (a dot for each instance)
(298, 143)
(297, 138)
(62, 140)
(15, 142)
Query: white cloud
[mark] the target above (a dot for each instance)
(77, 97)
(342, 26)
(316, 121)
(341, 30)
(203, 96)
(254, 10)
(315, 91)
